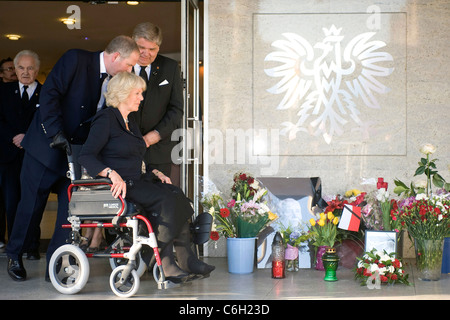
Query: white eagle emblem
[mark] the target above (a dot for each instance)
(324, 80)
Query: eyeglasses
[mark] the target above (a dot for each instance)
(8, 69)
(30, 68)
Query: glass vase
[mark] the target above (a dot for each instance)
(429, 258)
(291, 256)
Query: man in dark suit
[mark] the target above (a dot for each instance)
(7, 71)
(69, 99)
(161, 111)
(18, 102)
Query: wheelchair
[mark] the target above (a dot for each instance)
(92, 200)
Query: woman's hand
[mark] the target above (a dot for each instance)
(119, 187)
(161, 176)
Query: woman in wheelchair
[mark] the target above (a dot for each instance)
(115, 149)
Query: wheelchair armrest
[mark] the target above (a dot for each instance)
(94, 181)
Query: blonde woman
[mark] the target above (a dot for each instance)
(115, 149)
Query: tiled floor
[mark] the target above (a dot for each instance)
(221, 285)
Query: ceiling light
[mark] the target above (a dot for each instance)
(13, 36)
(132, 3)
(68, 21)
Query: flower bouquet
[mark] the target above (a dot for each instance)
(377, 212)
(426, 215)
(376, 265)
(428, 222)
(323, 232)
(293, 237)
(240, 220)
(425, 218)
(245, 215)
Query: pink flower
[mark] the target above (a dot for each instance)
(231, 203)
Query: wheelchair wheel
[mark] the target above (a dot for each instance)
(118, 246)
(69, 269)
(126, 289)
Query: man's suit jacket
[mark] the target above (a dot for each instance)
(162, 108)
(15, 118)
(68, 102)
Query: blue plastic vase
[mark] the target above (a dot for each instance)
(446, 256)
(241, 255)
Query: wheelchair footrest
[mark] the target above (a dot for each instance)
(167, 284)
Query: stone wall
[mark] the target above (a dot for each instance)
(341, 90)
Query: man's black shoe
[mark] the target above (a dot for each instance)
(16, 270)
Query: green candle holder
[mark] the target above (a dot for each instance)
(330, 263)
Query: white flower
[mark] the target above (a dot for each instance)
(374, 267)
(428, 149)
(211, 211)
(263, 208)
(259, 194)
(421, 196)
(255, 184)
(421, 184)
(382, 194)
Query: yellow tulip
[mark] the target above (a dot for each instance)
(336, 220)
(322, 215)
(321, 222)
(352, 192)
(312, 222)
(330, 215)
(348, 193)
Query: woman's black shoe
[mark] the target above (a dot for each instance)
(182, 278)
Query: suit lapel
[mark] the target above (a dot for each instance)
(155, 73)
(93, 78)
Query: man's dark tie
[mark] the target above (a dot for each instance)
(104, 82)
(25, 97)
(143, 74)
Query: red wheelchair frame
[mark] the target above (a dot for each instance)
(68, 267)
